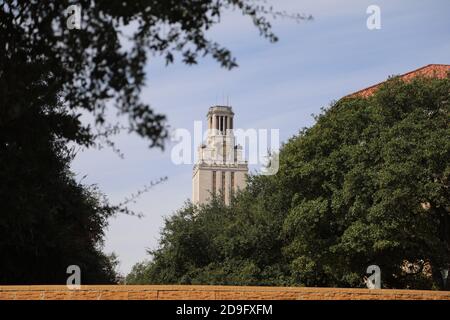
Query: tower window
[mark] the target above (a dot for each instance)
(232, 185)
(224, 150)
(213, 182)
(223, 185)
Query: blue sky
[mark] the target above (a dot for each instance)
(276, 86)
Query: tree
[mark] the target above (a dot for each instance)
(367, 184)
(102, 64)
(372, 188)
(48, 220)
(217, 244)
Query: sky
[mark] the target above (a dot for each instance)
(276, 86)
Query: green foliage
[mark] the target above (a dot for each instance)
(367, 184)
(102, 64)
(48, 220)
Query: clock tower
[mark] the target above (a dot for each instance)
(220, 169)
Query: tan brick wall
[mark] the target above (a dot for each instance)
(117, 292)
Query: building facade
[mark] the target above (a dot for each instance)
(220, 169)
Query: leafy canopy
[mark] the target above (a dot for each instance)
(102, 64)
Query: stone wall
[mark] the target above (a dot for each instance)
(163, 292)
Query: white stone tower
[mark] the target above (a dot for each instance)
(220, 169)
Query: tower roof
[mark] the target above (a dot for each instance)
(221, 109)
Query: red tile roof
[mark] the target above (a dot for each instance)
(432, 70)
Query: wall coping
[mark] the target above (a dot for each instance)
(203, 292)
